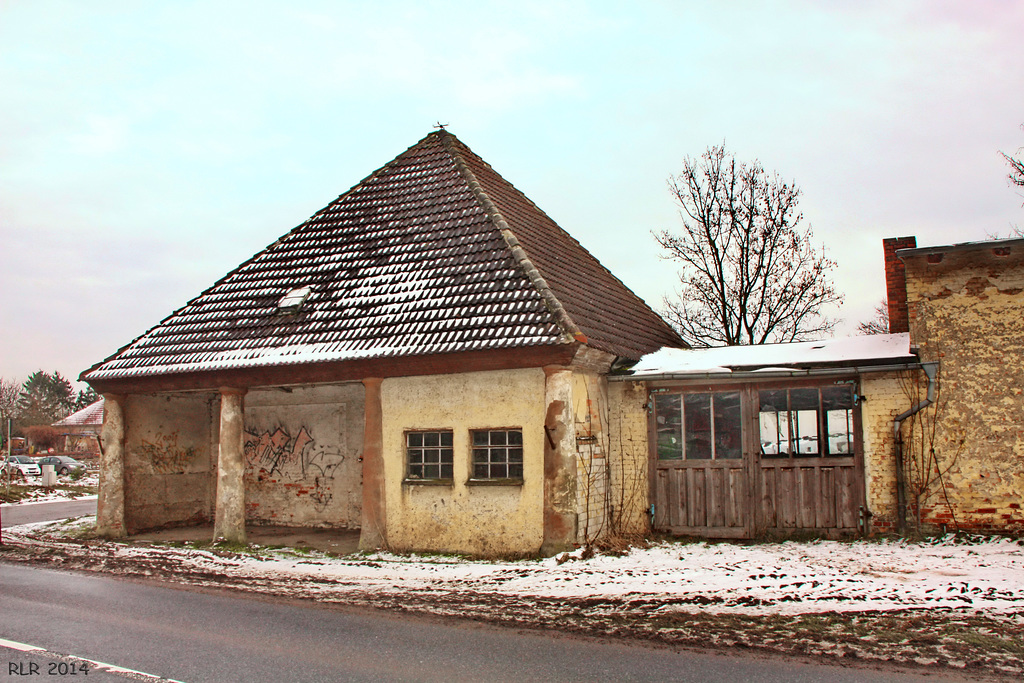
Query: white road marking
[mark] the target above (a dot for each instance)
(100, 666)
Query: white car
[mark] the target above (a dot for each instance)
(24, 464)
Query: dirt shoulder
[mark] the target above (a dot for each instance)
(926, 640)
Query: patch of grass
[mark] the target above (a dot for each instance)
(15, 492)
(18, 492)
(989, 642)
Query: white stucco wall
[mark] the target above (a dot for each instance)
(462, 516)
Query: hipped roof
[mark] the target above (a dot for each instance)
(433, 253)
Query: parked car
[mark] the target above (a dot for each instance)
(62, 464)
(24, 464)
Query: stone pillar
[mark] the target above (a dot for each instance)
(229, 518)
(560, 504)
(110, 519)
(373, 526)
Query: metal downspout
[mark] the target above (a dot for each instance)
(930, 369)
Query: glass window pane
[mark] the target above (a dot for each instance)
(697, 411)
(415, 439)
(728, 426)
(415, 471)
(668, 417)
(840, 432)
(479, 438)
(803, 399)
(774, 400)
(806, 428)
(498, 438)
(515, 455)
(515, 438)
(515, 471)
(480, 471)
(432, 439)
(446, 471)
(446, 439)
(774, 422)
(837, 398)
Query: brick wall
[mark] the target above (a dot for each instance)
(589, 397)
(967, 312)
(628, 454)
(885, 400)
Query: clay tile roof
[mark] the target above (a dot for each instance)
(432, 253)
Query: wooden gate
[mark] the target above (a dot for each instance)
(708, 498)
(775, 485)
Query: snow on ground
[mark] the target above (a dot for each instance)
(984, 576)
(74, 489)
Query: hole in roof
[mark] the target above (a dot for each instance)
(292, 301)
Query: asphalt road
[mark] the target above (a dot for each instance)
(13, 514)
(218, 636)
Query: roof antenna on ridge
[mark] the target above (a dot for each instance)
(441, 126)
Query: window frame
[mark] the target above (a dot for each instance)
(440, 449)
(821, 422)
(712, 432)
(508, 463)
(750, 410)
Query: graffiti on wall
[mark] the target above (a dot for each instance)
(297, 462)
(164, 454)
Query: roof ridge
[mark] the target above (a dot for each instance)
(522, 259)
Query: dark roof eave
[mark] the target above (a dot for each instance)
(327, 372)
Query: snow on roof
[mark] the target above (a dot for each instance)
(91, 415)
(846, 351)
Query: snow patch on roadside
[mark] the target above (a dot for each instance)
(787, 578)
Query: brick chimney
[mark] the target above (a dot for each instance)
(896, 283)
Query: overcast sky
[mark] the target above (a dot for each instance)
(147, 148)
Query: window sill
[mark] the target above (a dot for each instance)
(428, 482)
(494, 482)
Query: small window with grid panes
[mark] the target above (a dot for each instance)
(429, 456)
(498, 454)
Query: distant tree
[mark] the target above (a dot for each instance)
(42, 437)
(85, 398)
(10, 390)
(878, 324)
(45, 398)
(750, 272)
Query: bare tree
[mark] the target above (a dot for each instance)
(1016, 174)
(10, 391)
(879, 324)
(750, 273)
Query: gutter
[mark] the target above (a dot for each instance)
(767, 374)
(931, 370)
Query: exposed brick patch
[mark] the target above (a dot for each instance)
(896, 282)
